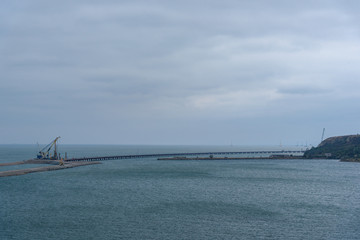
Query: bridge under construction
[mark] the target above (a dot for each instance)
(58, 164)
(157, 155)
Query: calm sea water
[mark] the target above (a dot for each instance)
(150, 199)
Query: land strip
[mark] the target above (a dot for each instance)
(54, 165)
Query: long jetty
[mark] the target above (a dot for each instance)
(77, 162)
(157, 155)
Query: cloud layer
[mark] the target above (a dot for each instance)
(183, 72)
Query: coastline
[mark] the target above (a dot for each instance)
(357, 160)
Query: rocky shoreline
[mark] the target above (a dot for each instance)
(350, 160)
(346, 148)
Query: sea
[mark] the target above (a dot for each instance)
(150, 199)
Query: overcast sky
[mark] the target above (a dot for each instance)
(179, 72)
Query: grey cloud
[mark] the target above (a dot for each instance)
(169, 60)
(303, 91)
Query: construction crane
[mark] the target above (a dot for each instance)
(322, 136)
(45, 152)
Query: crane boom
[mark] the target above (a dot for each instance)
(46, 147)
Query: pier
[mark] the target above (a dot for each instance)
(84, 161)
(162, 155)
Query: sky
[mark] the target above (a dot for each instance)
(241, 72)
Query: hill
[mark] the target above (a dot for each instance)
(346, 148)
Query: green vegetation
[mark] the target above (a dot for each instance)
(346, 148)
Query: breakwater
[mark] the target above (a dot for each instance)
(53, 165)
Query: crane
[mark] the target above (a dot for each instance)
(45, 152)
(322, 136)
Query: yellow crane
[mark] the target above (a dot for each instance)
(45, 152)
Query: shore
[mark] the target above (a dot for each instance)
(350, 160)
(54, 165)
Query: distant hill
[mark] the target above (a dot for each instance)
(346, 148)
